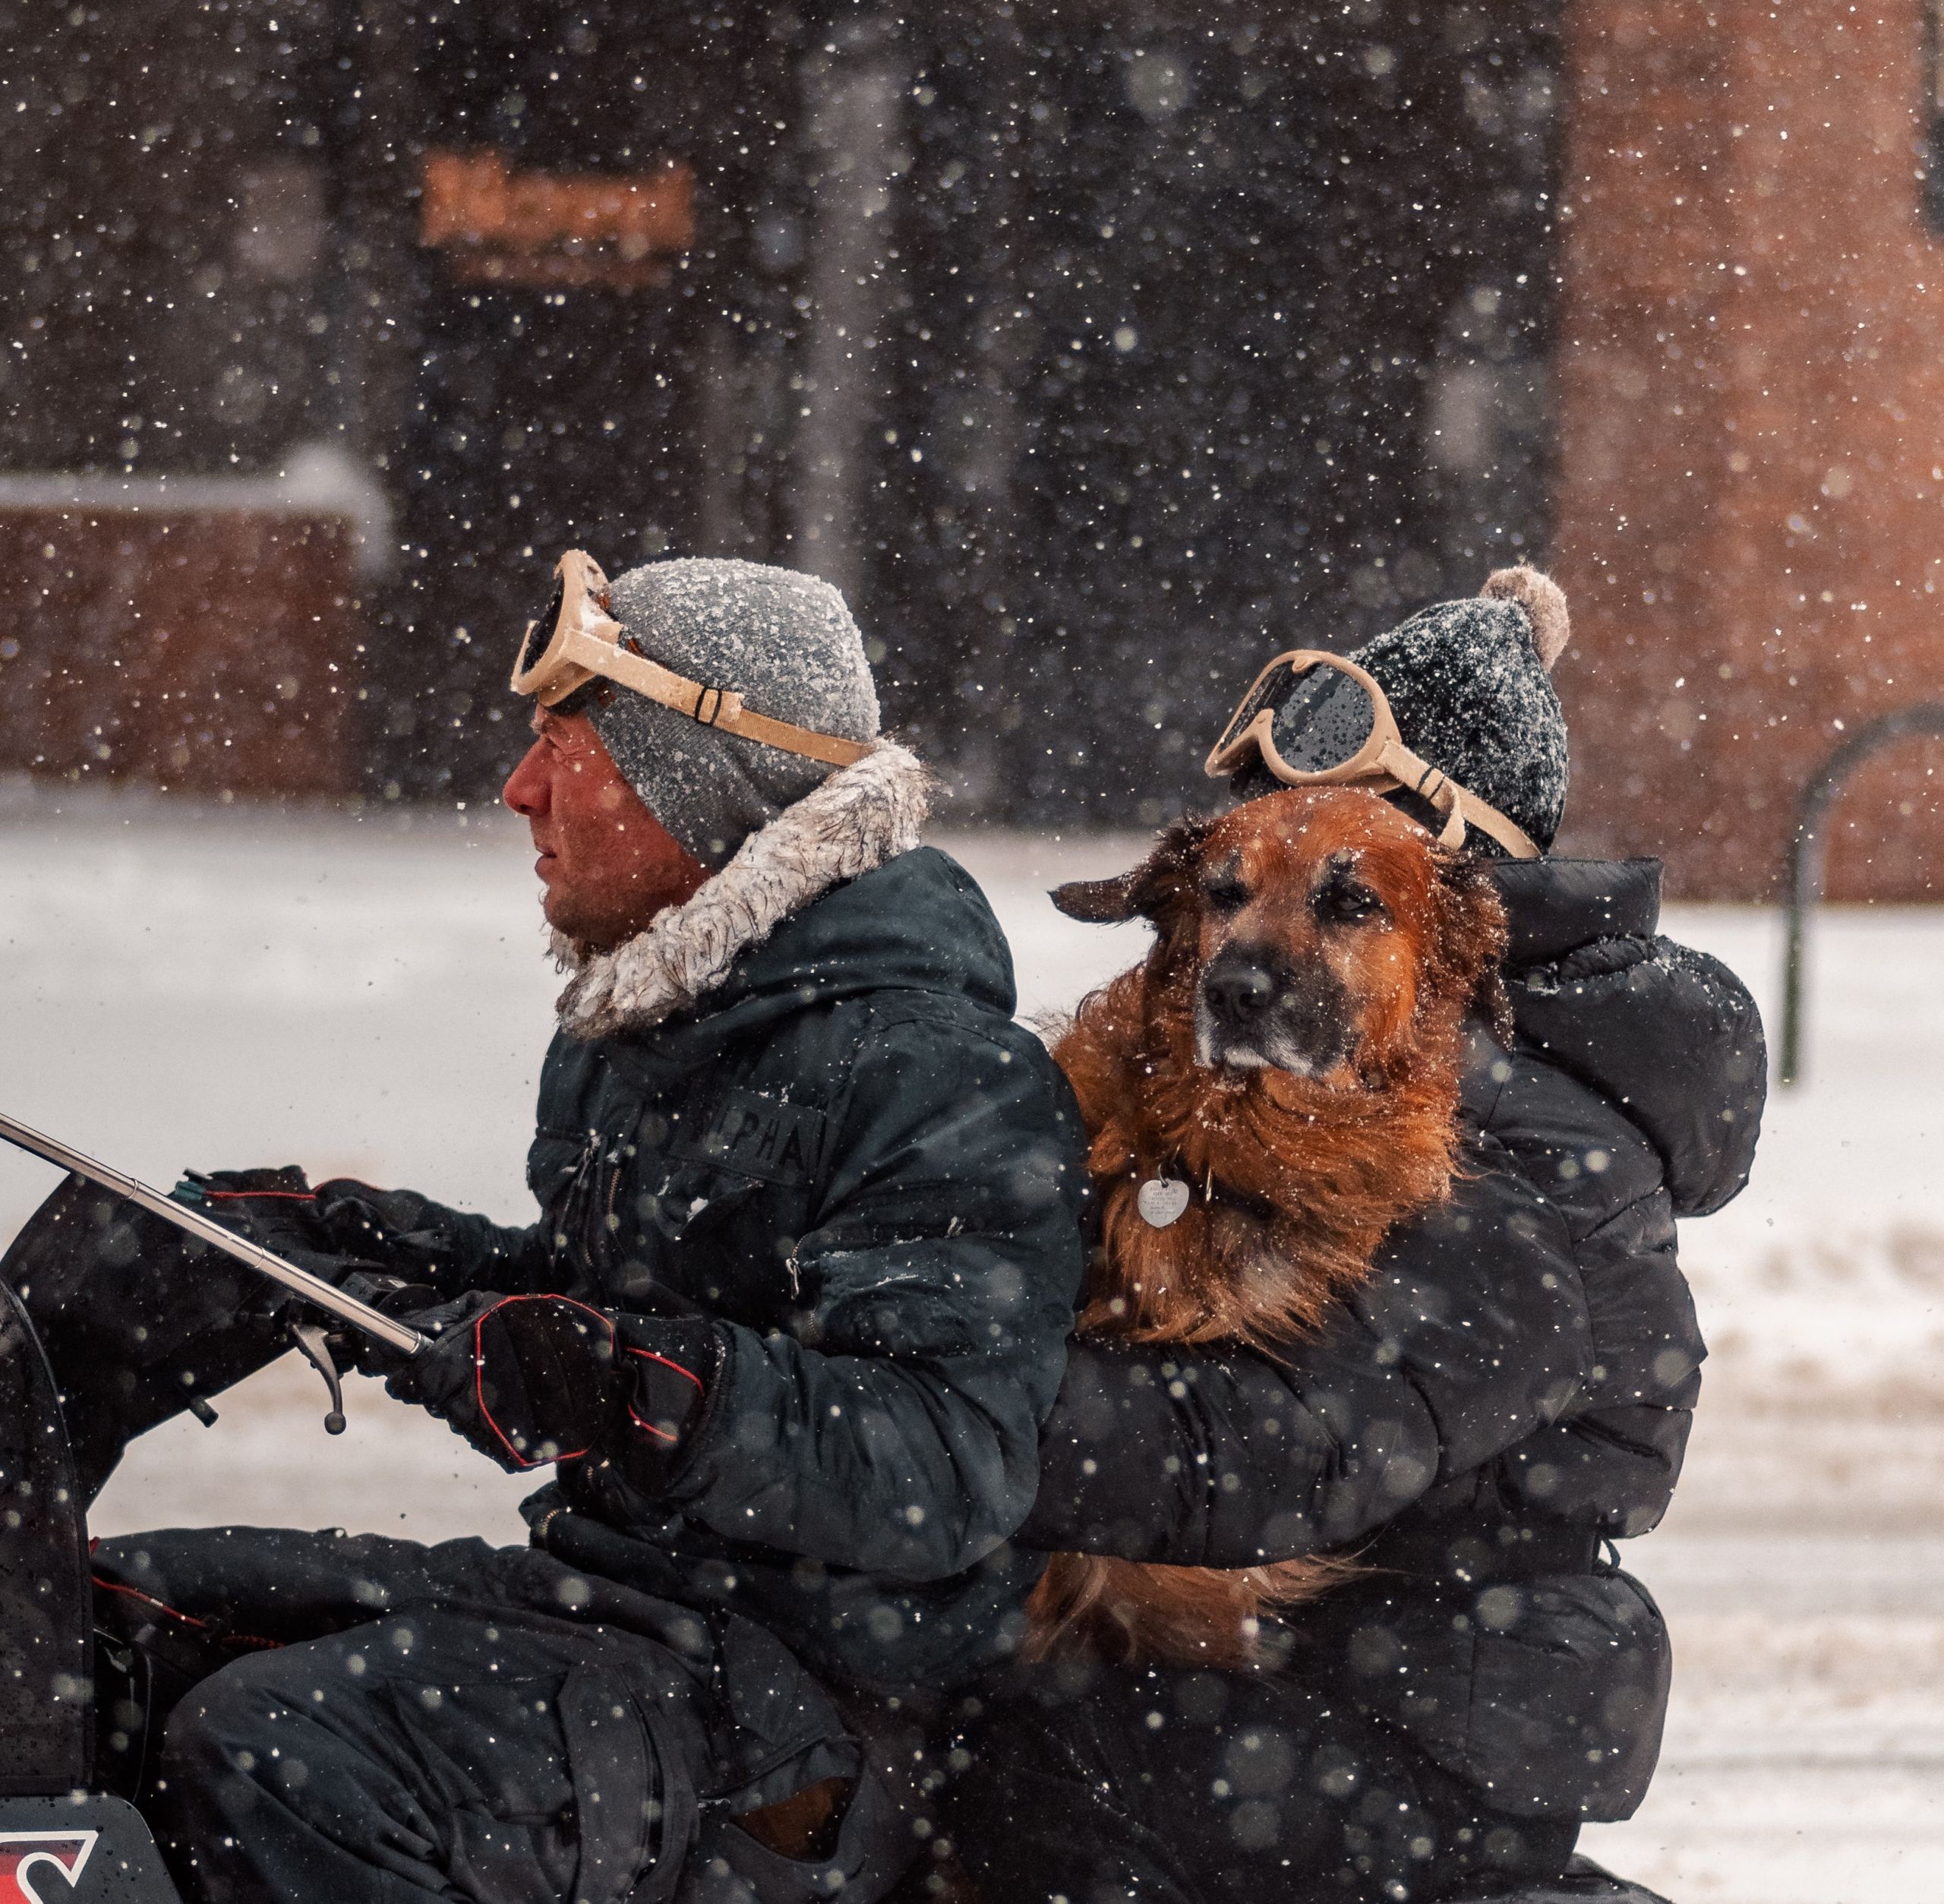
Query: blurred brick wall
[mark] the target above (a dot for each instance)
(1751, 496)
(212, 651)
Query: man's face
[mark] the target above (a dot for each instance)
(608, 865)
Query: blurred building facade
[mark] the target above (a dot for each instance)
(1749, 510)
(1097, 352)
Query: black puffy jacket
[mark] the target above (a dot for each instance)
(850, 1156)
(1513, 1387)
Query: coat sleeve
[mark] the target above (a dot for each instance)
(1472, 1333)
(897, 1428)
(1672, 1034)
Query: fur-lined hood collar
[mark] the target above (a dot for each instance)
(858, 819)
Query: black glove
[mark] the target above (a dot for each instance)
(531, 1379)
(274, 1207)
(392, 1296)
(391, 1226)
(672, 1363)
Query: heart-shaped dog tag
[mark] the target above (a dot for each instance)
(1160, 1200)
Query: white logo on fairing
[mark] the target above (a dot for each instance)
(20, 1851)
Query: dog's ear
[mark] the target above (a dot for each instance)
(1100, 902)
(1473, 939)
(1158, 886)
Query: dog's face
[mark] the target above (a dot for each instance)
(1319, 923)
(1312, 910)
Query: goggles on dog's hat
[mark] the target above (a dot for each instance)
(1316, 719)
(575, 638)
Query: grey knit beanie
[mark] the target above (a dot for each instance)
(784, 641)
(1470, 684)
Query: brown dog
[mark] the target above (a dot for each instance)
(1282, 1073)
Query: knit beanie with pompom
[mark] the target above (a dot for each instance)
(1470, 684)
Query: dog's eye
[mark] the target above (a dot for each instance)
(1226, 893)
(1342, 901)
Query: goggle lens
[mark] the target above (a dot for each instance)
(1322, 718)
(540, 631)
(1262, 695)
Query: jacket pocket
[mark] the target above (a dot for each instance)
(492, 1760)
(1548, 1695)
(1568, 1703)
(553, 1785)
(689, 1199)
(874, 1844)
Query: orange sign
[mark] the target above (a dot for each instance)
(500, 226)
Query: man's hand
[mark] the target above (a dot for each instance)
(671, 1364)
(532, 1379)
(275, 1208)
(398, 1228)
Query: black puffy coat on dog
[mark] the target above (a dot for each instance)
(1513, 1387)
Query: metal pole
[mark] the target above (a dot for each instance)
(301, 1282)
(1792, 957)
(1924, 719)
(1805, 888)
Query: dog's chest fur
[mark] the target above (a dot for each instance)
(1292, 1189)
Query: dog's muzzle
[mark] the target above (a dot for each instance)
(1253, 1011)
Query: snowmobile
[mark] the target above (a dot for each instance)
(121, 1308)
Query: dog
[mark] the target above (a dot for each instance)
(1265, 1095)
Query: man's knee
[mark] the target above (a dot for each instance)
(244, 1726)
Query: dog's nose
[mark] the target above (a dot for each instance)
(1238, 989)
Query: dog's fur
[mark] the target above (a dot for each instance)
(1292, 1048)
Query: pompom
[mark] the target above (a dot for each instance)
(1545, 603)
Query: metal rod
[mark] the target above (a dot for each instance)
(1922, 719)
(314, 1289)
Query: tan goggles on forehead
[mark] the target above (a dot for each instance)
(1336, 727)
(577, 639)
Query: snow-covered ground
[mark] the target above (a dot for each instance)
(220, 987)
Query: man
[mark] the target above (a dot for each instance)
(1511, 1390)
(795, 1302)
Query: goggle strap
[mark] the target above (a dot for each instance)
(587, 653)
(1445, 795)
(1465, 808)
(722, 708)
(829, 748)
(1489, 820)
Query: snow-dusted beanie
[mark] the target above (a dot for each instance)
(1470, 683)
(784, 641)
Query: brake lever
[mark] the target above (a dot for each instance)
(314, 1341)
